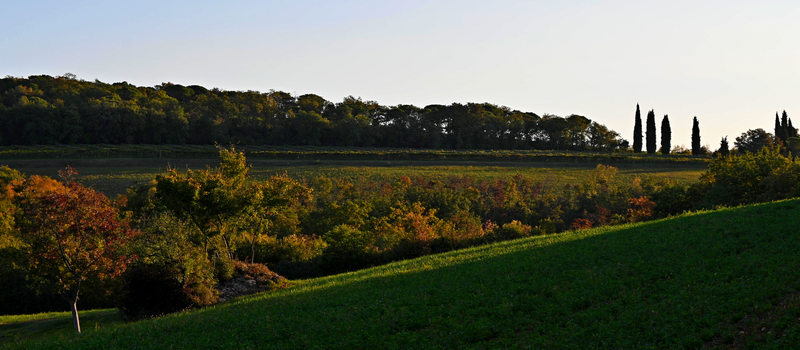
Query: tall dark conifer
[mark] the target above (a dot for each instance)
(695, 137)
(637, 131)
(778, 129)
(651, 132)
(792, 130)
(723, 147)
(784, 127)
(666, 135)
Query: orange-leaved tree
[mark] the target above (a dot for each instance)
(71, 233)
(8, 177)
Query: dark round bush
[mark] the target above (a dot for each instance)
(152, 290)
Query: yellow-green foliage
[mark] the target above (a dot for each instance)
(7, 209)
(751, 177)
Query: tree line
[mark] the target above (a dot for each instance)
(64, 110)
(666, 134)
(785, 138)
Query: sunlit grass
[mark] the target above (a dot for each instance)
(15, 328)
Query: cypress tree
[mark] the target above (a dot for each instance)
(666, 135)
(695, 137)
(792, 130)
(723, 147)
(784, 127)
(778, 132)
(637, 131)
(651, 132)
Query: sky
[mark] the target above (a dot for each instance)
(732, 64)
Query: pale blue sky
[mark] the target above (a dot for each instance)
(731, 63)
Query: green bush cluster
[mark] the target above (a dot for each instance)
(327, 225)
(172, 272)
(735, 179)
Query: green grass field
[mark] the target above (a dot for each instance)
(727, 278)
(112, 169)
(15, 328)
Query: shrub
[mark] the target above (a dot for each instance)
(170, 265)
(750, 177)
(223, 268)
(19, 295)
(345, 240)
(151, 290)
(465, 229)
(671, 200)
(346, 249)
(409, 231)
(259, 272)
(272, 250)
(550, 224)
(301, 248)
(640, 209)
(292, 256)
(513, 230)
(580, 223)
(157, 288)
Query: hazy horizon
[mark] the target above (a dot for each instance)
(731, 64)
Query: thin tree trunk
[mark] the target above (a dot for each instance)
(253, 248)
(75, 320)
(253, 251)
(227, 248)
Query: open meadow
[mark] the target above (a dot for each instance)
(113, 168)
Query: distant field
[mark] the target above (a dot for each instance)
(317, 153)
(112, 169)
(719, 279)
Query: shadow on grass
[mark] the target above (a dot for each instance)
(24, 327)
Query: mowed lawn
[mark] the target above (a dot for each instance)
(725, 278)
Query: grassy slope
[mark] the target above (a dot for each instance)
(721, 278)
(19, 327)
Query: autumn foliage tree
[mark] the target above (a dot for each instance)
(209, 199)
(71, 233)
(267, 201)
(8, 177)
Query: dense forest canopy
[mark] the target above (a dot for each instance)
(64, 110)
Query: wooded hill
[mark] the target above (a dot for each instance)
(64, 110)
